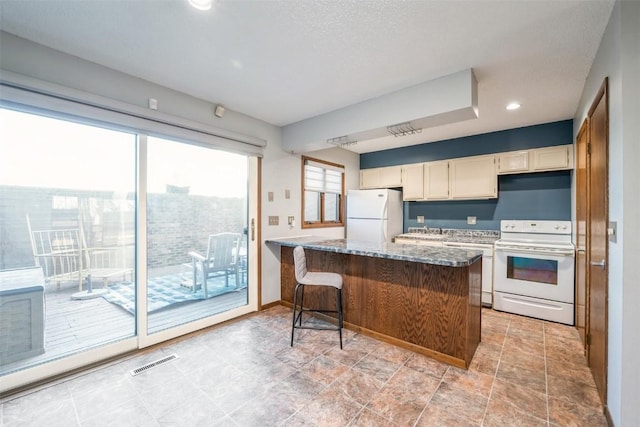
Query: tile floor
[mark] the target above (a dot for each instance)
(525, 372)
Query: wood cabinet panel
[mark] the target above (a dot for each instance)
(413, 182)
(369, 178)
(513, 162)
(386, 177)
(431, 309)
(474, 177)
(436, 180)
(550, 158)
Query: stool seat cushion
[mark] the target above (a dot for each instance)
(313, 278)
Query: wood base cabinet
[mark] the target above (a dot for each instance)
(431, 309)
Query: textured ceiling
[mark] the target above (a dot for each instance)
(284, 61)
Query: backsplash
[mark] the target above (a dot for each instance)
(454, 232)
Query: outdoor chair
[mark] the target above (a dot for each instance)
(63, 255)
(222, 258)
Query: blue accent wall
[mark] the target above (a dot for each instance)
(545, 135)
(541, 196)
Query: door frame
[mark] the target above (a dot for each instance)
(601, 95)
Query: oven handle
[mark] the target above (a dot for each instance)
(534, 251)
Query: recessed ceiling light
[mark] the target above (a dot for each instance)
(201, 4)
(513, 106)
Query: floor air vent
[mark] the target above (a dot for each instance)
(150, 365)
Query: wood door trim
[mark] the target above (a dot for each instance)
(602, 94)
(582, 214)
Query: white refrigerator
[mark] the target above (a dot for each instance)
(374, 215)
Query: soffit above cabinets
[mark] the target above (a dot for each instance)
(446, 100)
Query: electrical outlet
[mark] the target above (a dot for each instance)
(274, 220)
(420, 219)
(471, 220)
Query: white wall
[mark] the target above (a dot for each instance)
(280, 170)
(618, 58)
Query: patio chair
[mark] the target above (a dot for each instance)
(60, 254)
(63, 255)
(221, 259)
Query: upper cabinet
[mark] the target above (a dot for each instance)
(536, 160)
(513, 162)
(552, 158)
(413, 182)
(387, 177)
(473, 178)
(436, 180)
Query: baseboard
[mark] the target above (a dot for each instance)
(271, 305)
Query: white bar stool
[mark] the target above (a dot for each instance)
(305, 278)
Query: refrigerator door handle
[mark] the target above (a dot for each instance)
(384, 231)
(385, 213)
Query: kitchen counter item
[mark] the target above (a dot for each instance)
(413, 253)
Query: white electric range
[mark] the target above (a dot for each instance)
(534, 270)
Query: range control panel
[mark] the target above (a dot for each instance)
(542, 227)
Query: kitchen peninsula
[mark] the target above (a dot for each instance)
(422, 298)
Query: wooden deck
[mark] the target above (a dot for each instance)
(75, 325)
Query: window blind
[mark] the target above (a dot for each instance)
(322, 177)
(32, 95)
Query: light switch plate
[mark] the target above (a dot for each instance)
(270, 196)
(287, 194)
(471, 220)
(613, 231)
(274, 220)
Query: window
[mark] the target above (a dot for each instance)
(322, 193)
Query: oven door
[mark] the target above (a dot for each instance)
(546, 274)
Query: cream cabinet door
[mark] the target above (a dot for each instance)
(436, 180)
(413, 182)
(474, 178)
(513, 162)
(551, 158)
(391, 176)
(370, 178)
(386, 177)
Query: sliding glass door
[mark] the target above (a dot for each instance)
(67, 235)
(197, 201)
(112, 241)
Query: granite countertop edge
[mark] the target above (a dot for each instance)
(450, 239)
(413, 253)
